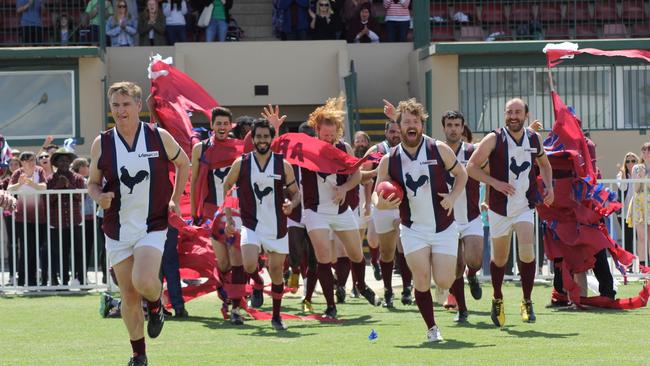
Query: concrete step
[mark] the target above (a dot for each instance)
(266, 8)
(258, 32)
(247, 20)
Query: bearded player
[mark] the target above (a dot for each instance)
(418, 165)
(510, 153)
(261, 177)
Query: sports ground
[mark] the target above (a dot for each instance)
(67, 330)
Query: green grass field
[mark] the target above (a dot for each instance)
(67, 330)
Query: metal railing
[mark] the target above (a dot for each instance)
(40, 253)
(605, 97)
(52, 23)
(507, 20)
(616, 225)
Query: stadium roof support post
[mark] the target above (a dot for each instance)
(421, 25)
(101, 9)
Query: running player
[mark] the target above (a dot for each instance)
(510, 153)
(133, 159)
(261, 177)
(427, 229)
(467, 215)
(325, 209)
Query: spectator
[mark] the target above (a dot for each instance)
(28, 179)
(324, 25)
(175, 11)
(92, 12)
(82, 167)
(12, 166)
(363, 29)
(151, 26)
(295, 19)
(351, 10)
(64, 30)
(31, 26)
(398, 19)
(121, 27)
(7, 201)
(218, 27)
(637, 215)
(62, 226)
(43, 161)
(625, 196)
(132, 7)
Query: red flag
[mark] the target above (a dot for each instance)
(569, 135)
(174, 94)
(314, 154)
(554, 56)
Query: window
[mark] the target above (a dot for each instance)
(484, 92)
(37, 104)
(636, 97)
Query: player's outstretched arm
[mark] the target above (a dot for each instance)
(459, 172)
(292, 189)
(477, 161)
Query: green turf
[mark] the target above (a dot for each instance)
(67, 330)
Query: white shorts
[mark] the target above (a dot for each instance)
(384, 220)
(445, 242)
(501, 225)
(472, 228)
(291, 223)
(250, 237)
(361, 219)
(119, 250)
(336, 222)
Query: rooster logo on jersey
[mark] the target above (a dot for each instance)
(221, 173)
(130, 181)
(260, 194)
(518, 169)
(414, 185)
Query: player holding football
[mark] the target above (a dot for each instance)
(418, 165)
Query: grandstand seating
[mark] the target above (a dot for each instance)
(455, 20)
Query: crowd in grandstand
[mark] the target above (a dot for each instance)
(165, 22)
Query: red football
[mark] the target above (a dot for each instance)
(388, 187)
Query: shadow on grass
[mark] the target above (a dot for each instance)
(520, 333)
(267, 331)
(447, 344)
(48, 293)
(217, 323)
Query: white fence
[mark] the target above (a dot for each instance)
(40, 251)
(39, 256)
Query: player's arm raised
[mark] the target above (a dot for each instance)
(460, 177)
(292, 188)
(546, 172)
(378, 200)
(182, 163)
(477, 162)
(196, 155)
(95, 175)
(228, 183)
(353, 180)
